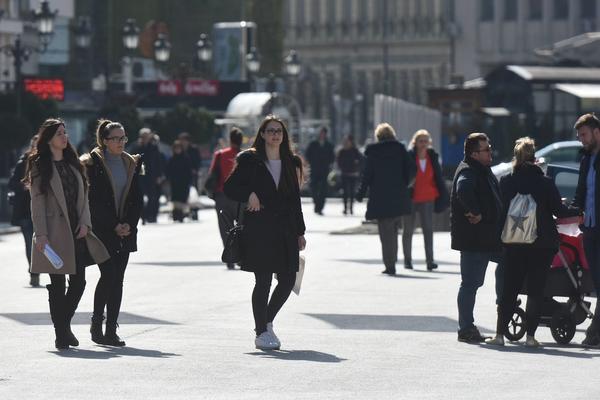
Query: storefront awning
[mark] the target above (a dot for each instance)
(581, 90)
(496, 111)
(248, 105)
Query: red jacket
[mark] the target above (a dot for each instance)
(226, 160)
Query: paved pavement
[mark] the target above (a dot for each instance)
(351, 334)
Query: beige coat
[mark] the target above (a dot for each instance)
(51, 218)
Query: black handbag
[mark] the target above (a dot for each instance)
(210, 185)
(232, 251)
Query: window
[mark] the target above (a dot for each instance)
(486, 11)
(561, 9)
(535, 10)
(510, 10)
(588, 9)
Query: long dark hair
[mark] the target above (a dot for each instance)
(289, 160)
(41, 156)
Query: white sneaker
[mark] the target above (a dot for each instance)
(272, 333)
(531, 342)
(265, 341)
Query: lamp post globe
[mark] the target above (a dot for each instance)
(44, 18)
(292, 64)
(130, 34)
(253, 61)
(204, 48)
(83, 33)
(162, 48)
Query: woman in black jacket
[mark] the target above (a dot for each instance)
(179, 174)
(116, 205)
(387, 175)
(529, 261)
(267, 177)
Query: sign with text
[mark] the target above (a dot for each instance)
(46, 88)
(192, 87)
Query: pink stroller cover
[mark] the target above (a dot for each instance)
(569, 233)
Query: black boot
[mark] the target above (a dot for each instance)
(56, 302)
(111, 338)
(72, 301)
(96, 329)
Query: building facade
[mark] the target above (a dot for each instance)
(492, 33)
(353, 49)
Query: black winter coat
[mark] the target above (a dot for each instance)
(106, 214)
(443, 200)
(21, 202)
(320, 157)
(348, 161)
(581, 191)
(270, 236)
(387, 174)
(179, 174)
(530, 179)
(481, 198)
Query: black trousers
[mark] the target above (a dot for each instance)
(109, 291)
(524, 263)
(348, 191)
(264, 309)
(66, 306)
(152, 191)
(318, 188)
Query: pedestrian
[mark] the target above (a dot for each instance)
(116, 206)
(21, 207)
(528, 262)
(267, 176)
(221, 166)
(320, 157)
(429, 194)
(587, 198)
(179, 174)
(387, 174)
(61, 220)
(348, 160)
(193, 153)
(153, 173)
(475, 224)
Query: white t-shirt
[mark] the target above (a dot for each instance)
(274, 167)
(423, 164)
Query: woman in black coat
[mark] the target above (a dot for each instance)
(180, 175)
(116, 204)
(529, 262)
(387, 175)
(348, 160)
(267, 177)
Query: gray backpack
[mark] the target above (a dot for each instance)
(521, 222)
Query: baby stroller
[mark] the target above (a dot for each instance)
(569, 277)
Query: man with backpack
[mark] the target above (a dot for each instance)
(476, 210)
(587, 197)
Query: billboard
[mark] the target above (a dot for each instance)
(231, 42)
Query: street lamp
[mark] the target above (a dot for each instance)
(204, 48)
(131, 34)
(253, 61)
(83, 33)
(45, 22)
(162, 48)
(292, 64)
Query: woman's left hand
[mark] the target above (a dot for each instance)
(301, 243)
(82, 231)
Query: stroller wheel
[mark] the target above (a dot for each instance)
(516, 326)
(562, 327)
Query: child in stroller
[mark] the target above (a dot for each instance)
(569, 277)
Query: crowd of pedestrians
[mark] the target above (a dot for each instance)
(86, 210)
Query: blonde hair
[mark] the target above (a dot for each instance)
(384, 131)
(524, 151)
(421, 133)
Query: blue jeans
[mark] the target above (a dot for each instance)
(591, 245)
(472, 271)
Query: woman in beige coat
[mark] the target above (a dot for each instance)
(61, 220)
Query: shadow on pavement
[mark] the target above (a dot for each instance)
(112, 352)
(549, 349)
(378, 261)
(82, 318)
(408, 276)
(298, 355)
(415, 323)
(181, 263)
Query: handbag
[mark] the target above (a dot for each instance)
(232, 251)
(213, 178)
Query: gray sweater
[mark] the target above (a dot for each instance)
(119, 175)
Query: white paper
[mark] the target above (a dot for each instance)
(54, 258)
(299, 276)
(568, 229)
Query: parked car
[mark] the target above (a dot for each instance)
(565, 179)
(566, 154)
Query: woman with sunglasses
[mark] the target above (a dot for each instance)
(267, 176)
(116, 205)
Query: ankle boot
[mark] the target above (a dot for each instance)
(96, 329)
(111, 338)
(56, 303)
